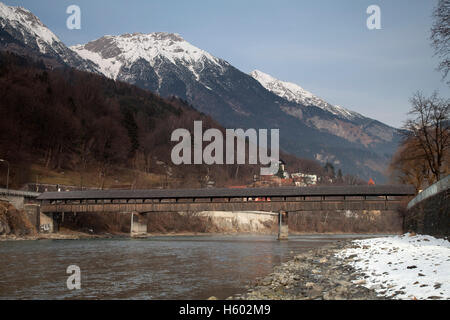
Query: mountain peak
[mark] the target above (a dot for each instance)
(11, 11)
(23, 33)
(154, 36)
(21, 18)
(111, 53)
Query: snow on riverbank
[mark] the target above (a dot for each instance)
(403, 267)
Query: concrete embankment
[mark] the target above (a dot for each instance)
(251, 221)
(215, 222)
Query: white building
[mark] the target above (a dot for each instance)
(305, 179)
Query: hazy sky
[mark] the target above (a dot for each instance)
(322, 45)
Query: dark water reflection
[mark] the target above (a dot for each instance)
(195, 267)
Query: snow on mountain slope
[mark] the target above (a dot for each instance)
(22, 19)
(116, 55)
(112, 53)
(23, 33)
(168, 65)
(294, 93)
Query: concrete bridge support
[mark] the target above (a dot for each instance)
(47, 222)
(283, 229)
(138, 224)
(33, 213)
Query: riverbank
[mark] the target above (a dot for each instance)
(397, 267)
(68, 234)
(411, 266)
(76, 235)
(314, 275)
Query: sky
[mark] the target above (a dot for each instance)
(322, 45)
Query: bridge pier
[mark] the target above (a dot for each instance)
(47, 222)
(138, 224)
(283, 229)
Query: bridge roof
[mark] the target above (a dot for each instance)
(379, 190)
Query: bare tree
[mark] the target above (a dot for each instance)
(409, 164)
(440, 35)
(429, 130)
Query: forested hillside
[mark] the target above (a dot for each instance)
(92, 129)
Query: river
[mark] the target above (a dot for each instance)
(169, 267)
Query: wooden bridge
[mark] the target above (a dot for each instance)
(281, 200)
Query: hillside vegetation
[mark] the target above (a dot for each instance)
(71, 127)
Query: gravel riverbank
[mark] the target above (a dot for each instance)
(314, 275)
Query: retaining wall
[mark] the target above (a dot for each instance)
(429, 212)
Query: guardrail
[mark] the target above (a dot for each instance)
(432, 190)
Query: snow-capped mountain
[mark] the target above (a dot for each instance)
(167, 64)
(115, 54)
(22, 32)
(294, 93)
(311, 127)
(162, 62)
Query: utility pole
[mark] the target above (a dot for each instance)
(7, 175)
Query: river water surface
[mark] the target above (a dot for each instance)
(188, 267)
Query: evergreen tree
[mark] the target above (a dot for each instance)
(329, 169)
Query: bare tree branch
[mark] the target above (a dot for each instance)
(427, 131)
(440, 36)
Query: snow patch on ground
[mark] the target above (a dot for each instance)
(403, 267)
